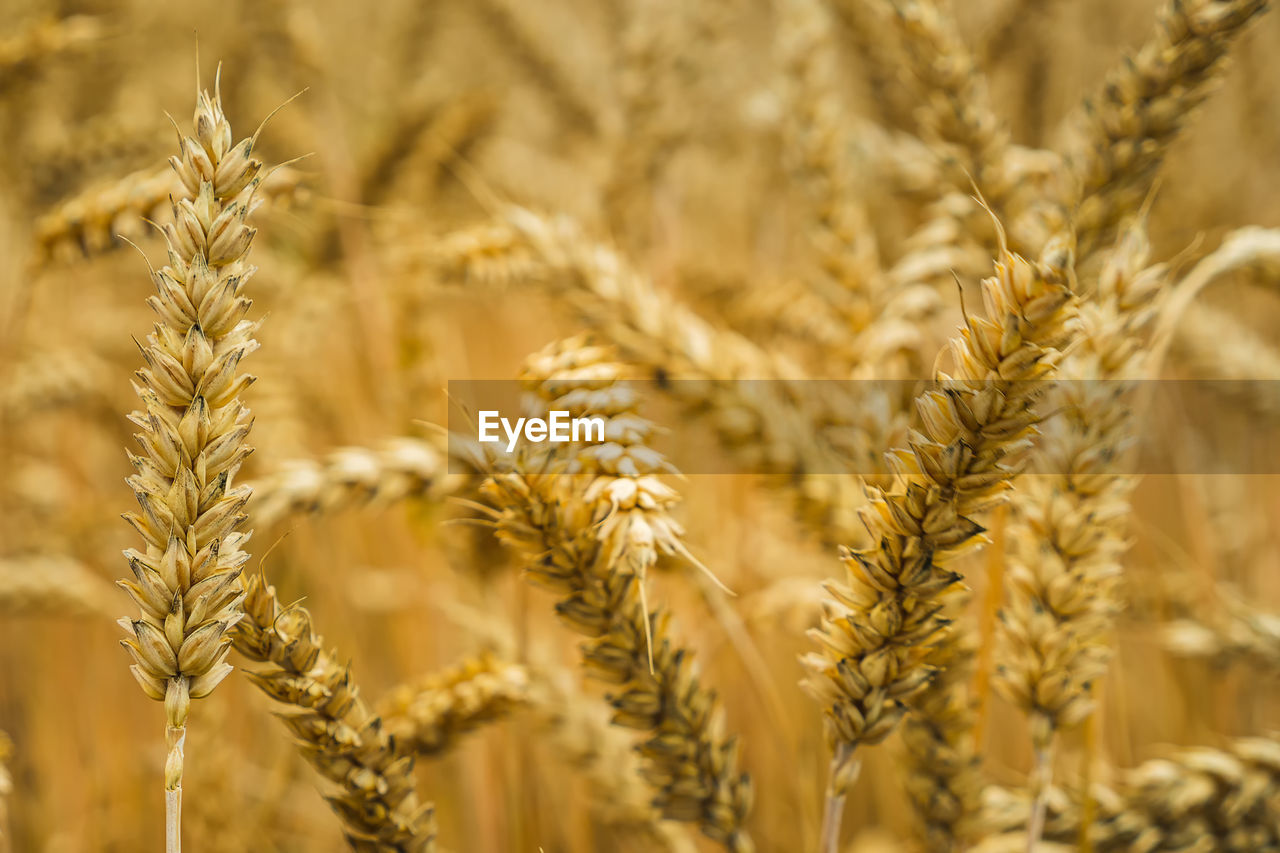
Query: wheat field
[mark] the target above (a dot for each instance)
(934, 351)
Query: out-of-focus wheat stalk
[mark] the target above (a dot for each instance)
(816, 138)
(1232, 630)
(429, 717)
(805, 431)
(590, 537)
(45, 38)
(52, 585)
(955, 111)
(400, 469)
(581, 734)
(376, 797)
(1227, 800)
(187, 581)
(94, 220)
(885, 623)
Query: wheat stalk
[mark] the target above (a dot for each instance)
(955, 111)
(944, 780)
(376, 798)
(883, 625)
(1234, 630)
(6, 791)
(187, 580)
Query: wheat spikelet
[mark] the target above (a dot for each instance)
(375, 798)
(399, 469)
(555, 520)
(193, 424)
(1128, 127)
(885, 622)
(52, 585)
(429, 717)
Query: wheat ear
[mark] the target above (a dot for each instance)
(1067, 531)
(588, 536)
(955, 112)
(376, 798)
(1126, 129)
(886, 621)
(815, 139)
(1233, 631)
(94, 221)
(187, 580)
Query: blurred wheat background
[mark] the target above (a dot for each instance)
(713, 190)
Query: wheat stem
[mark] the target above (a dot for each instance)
(841, 776)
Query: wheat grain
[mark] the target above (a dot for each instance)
(186, 582)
